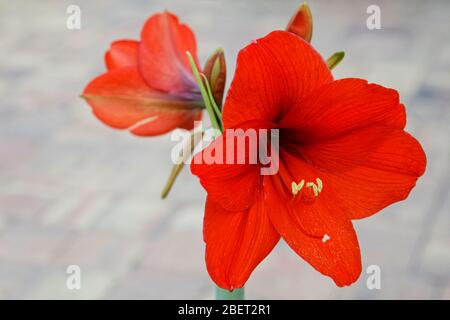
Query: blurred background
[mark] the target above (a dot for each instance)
(73, 191)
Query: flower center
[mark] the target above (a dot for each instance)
(315, 187)
(304, 190)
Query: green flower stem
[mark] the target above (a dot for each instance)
(176, 169)
(216, 121)
(188, 149)
(215, 107)
(212, 115)
(236, 294)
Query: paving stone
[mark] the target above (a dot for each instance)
(435, 259)
(29, 243)
(18, 276)
(180, 251)
(131, 214)
(96, 251)
(59, 210)
(160, 284)
(94, 285)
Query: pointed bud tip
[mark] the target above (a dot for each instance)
(219, 51)
(335, 59)
(301, 22)
(304, 6)
(215, 71)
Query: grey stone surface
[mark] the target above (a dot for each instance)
(73, 191)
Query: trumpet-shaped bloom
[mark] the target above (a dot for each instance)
(149, 87)
(343, 155)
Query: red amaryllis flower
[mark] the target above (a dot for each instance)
(149, 88)
(343, 155)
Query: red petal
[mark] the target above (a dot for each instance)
(162, 53)
(345, 152)
(233, 186)
(122, 53)
(304, 225)
(163, 122)
(122, 100)
(343, 106)
(386, 177)
(236, 242)
(272, 74)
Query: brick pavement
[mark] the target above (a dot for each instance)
(73, 191)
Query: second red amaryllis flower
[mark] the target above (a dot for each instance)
(343, 155)
(149, 88)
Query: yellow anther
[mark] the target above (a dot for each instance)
(294, 188)
(297, 187)
(314, 187)
(317, 188)
(319, 184)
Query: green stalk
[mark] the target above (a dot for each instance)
(195, 138)
(212, 115)
(215, 107)
(216, 121)
(236, 294)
